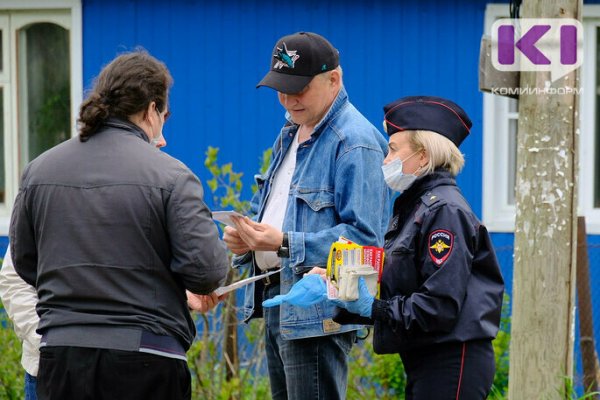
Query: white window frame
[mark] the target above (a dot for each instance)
(498, 214)
(587, 137)
(9, 124)
(14, 14)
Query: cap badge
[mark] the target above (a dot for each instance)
(285, 58)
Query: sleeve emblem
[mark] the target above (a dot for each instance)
(441, 243)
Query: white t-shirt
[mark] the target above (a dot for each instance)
(277, 204)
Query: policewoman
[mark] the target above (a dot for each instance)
(441, 287)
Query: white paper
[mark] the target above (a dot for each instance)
(225, 217)
(243, 282)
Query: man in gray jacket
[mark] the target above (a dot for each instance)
(111, 232)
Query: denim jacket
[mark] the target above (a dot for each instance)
(337, 189)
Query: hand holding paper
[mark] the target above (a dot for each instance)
(225, 217)
(236, 285)
(234, 242)
(203, 303)
(258, 236)
(242, 234)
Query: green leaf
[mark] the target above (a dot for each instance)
(266, 160)
(215, 171)
(212, 184)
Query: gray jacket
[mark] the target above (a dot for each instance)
(111, 232)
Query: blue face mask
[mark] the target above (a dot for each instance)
(156, 141)
(395, 178)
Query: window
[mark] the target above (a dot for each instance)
(500, 115)
(2, 164)
(40, 85)
(44, 91)
(596, 190)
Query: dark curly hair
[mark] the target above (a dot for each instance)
(124, 87)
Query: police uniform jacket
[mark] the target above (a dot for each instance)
(441, 280)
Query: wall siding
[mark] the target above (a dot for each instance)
(218, 51)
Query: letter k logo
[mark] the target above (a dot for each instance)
(506, 44)
(552, 45)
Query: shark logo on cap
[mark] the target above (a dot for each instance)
(285, 58)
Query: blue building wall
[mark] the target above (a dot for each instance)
(218, 51)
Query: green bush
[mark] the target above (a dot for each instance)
(11, 372)
(212, 375)
(372, 376)
(501, 345)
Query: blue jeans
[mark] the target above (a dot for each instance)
(30, 384)
(305, 369)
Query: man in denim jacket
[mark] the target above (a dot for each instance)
(325, 181)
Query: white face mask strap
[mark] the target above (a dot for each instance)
(409, 157)
(418, 169)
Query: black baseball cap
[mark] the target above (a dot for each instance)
(296, 59)
(428, 113)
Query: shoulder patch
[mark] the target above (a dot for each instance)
(440, 246)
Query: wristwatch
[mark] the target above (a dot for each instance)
(284, 250)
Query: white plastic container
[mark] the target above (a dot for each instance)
(348, 281)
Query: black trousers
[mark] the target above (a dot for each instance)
(456, 371)
(81, 373)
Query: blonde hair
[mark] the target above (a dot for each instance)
(441, 151)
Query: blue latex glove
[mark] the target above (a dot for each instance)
(309, 290)
(363, 305)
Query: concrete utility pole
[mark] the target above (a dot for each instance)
(541, 351)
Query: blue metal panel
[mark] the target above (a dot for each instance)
(218, 51)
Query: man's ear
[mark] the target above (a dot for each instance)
(335, 78)
(150, 109)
